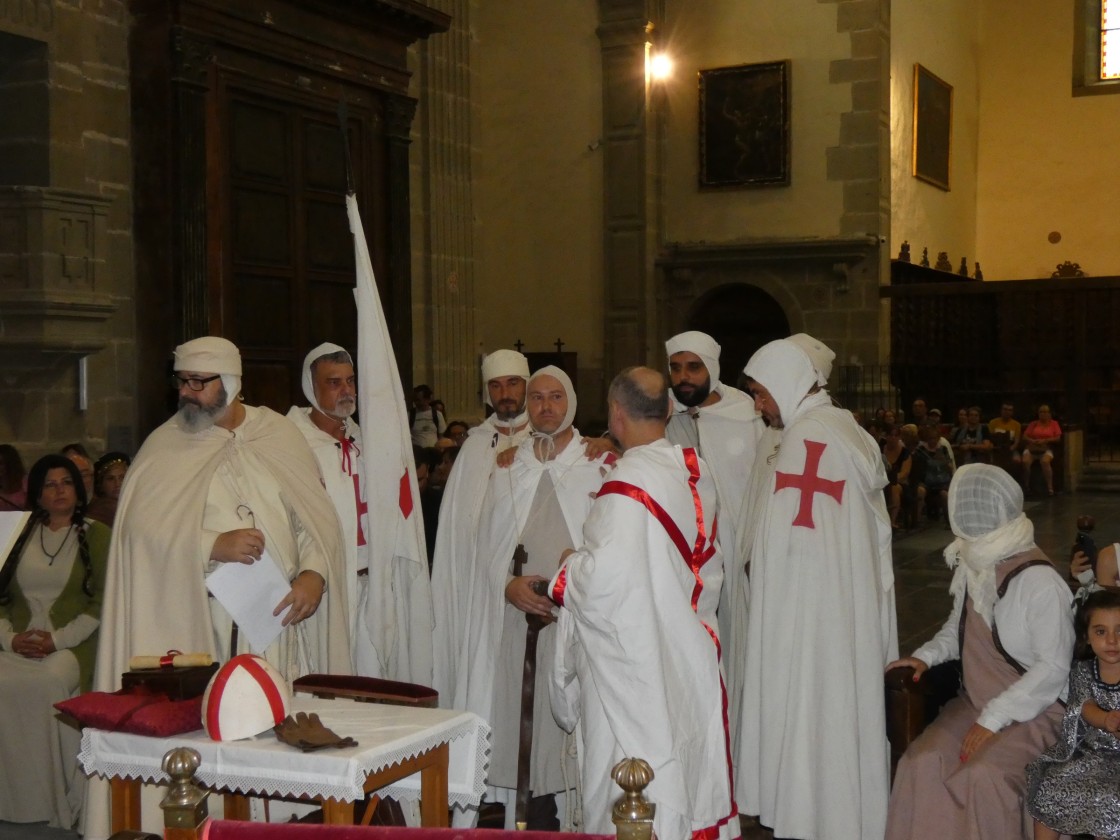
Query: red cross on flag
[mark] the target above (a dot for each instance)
(398, 615)
(810, 483)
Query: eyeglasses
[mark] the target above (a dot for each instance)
(192, 382)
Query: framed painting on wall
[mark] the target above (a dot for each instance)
(744, 125)
(933, 128)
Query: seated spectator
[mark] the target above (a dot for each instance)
(1038, 437)
(51, 586)
(13, 479)
(964, 777)
(896, 459)
(1006, 430)
(962, 423)
(889, 419)
(108, 478)
(78, 454)
(424, 419)
(457, 432)
(919, 415)
(972, 444)
(932, 469)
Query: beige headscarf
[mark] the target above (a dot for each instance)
(703, 345)
(819, 355)
(211, 354)
(504, 363)
(324, 349)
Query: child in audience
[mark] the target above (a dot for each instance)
(1074, 787)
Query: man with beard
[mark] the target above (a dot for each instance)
(535, 508)
(221, 482)
(813, 758)
(329, 385)
(504, 373)
(720, 422)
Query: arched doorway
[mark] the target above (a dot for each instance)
(741, 318)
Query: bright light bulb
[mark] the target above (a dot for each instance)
(660, 67)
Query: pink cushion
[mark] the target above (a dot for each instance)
(135, 712)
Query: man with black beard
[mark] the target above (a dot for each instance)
(721, 423)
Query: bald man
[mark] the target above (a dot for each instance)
(638, 622)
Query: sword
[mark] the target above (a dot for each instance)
(534, 623)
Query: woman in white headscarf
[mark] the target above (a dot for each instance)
(1012, 628)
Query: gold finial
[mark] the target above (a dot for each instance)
(633, 813)
(185, 803)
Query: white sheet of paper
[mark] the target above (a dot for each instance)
(11, 524)
(250, 592)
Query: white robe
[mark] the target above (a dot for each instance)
(813, 757)
(495, 625)
(344, 482)
(453, 561)
(643, 675)
(729, 432)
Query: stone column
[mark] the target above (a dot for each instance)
(629, 182)
(443, 307)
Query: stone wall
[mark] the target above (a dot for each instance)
(66, 265)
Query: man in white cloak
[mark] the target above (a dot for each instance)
(813, 753)
(639, 599)
(504, 374)
(219, 482)
(538, 504)
(329, 385)
(721, 424)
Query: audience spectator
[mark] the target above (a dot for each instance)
(932, 470)
(919, 416)
(972, 444)
(889, 419)
(424, 419)
(13, 479)
(81, 458)
(76, 448)
(1037, 439)
(51, 586)
(896, 459)
(962, 423)
(108, 478)
(1006, 430)
(457, 432)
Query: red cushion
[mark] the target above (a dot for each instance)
(135, 712)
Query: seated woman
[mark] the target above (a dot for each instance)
(964, 776)
(51, 586)
(108, 478)
(1039, 435)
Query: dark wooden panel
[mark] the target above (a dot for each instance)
(264, 307)
(267, 383)
(329, 243)
(324, 165)
(261, 230)
(259, 142)
(332, 315)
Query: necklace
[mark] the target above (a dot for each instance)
(43, 546)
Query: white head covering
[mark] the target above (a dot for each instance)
(503, 363)
(986, 515)
(784, 369)
(566, 383)
(211, 354)
(324, 349)
(703, 345)
(819, 355)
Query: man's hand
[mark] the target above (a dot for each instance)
(1079, 564)
(241, 546)
(974, 739)
(307, 592)
(505, 457)
(596, 446)
(909, 662)
(520, 594)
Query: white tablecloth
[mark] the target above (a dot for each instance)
(265, 766)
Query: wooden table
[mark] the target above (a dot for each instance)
(446, 748)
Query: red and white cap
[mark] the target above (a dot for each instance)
(245, 698)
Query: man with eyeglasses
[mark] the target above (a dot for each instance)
(222, 482)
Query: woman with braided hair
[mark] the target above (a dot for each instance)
(51, 585)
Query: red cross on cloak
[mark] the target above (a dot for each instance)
(362, 508)
(809, 483)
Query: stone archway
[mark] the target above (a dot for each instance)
(741, 318)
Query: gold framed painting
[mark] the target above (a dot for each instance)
(933, 128)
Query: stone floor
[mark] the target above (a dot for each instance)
(921, 580)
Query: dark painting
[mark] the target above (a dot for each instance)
(933, 127)
(744, 125)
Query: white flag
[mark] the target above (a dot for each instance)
(398, 613)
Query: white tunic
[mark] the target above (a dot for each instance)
(541, 505)
(728, 432)
(639, 600)
(453, 561)
(813, 753)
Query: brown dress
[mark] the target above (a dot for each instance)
(935, 795)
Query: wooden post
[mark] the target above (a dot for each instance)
(184, 807)
(632, 814)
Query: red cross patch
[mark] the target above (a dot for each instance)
(809, 483)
